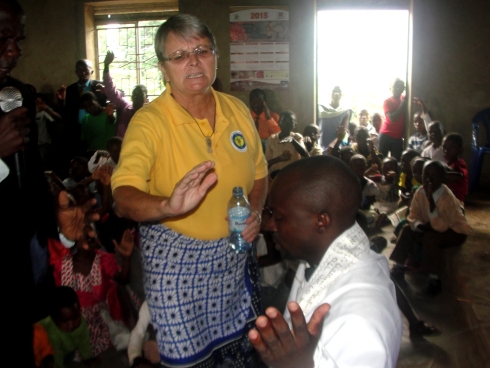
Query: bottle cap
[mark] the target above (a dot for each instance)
(238, 191)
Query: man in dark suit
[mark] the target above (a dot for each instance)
(27, 212)
(24, 198)
(72, 112)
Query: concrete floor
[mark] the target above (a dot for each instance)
(461, 311)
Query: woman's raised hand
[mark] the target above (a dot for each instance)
(190, 190)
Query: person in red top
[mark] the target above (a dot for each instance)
(391, 133)
(265, 120)
(457, 178)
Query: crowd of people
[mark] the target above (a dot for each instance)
(119, 213)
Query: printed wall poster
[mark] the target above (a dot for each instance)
(259, 50)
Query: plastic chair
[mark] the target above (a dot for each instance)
(477, 151)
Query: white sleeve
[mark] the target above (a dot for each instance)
(356, 343)
(4, 170)
(427, 120)
(47, 116)
(135, 345)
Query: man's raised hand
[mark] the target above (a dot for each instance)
(278, 346)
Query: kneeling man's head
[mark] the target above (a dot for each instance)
(313, 201)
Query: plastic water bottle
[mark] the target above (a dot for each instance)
(238, 213)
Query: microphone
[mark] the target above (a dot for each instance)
(10, 99)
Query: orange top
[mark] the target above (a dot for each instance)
(266, 127)
(42, 347)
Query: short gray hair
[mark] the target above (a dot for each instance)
(184, 25)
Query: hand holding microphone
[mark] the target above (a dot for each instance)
(13, 131)
(13, 128)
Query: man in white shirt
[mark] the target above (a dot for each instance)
(314, 203)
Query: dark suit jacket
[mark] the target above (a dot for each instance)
(70, 115)
(24, 212)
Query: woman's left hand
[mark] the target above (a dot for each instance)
(252, 229)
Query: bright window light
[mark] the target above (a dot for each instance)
(362, 51)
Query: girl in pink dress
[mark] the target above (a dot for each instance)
(94, 275)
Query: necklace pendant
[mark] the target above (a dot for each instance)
(209, 144)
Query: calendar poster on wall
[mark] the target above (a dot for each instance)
(259, 49)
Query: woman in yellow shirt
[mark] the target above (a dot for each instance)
(181, 156)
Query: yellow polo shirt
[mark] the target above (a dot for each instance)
(163, 143)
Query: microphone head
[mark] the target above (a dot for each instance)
(10, 98)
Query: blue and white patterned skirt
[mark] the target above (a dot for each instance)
(202, 296)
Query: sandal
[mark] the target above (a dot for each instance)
(422, 329)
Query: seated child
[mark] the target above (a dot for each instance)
(77, 172)
(387, 199)
(415, 170)
(97, 126)
(420, 121)
(407, 180)
(369, 189)
(341, 140)
(110, 156)
(434, 150)
(457, 176)
(364, 122)
(66, 328)
(365, 147)
(346, 154)
(93, 275)
(435, 221)
(311, 134)
(285, 147)
(377, 121)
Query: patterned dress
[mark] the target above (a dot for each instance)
(96, 292)
(203, 299)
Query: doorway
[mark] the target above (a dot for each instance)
(362, 51)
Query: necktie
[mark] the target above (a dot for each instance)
(80, 90)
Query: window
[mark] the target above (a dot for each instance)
(135, 61)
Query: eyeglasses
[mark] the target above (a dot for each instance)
(200, 52)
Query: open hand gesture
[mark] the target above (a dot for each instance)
(278, 346)
(190, 190)
(72, 218)
(125, 247)
(109, 58)
(341, 132)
